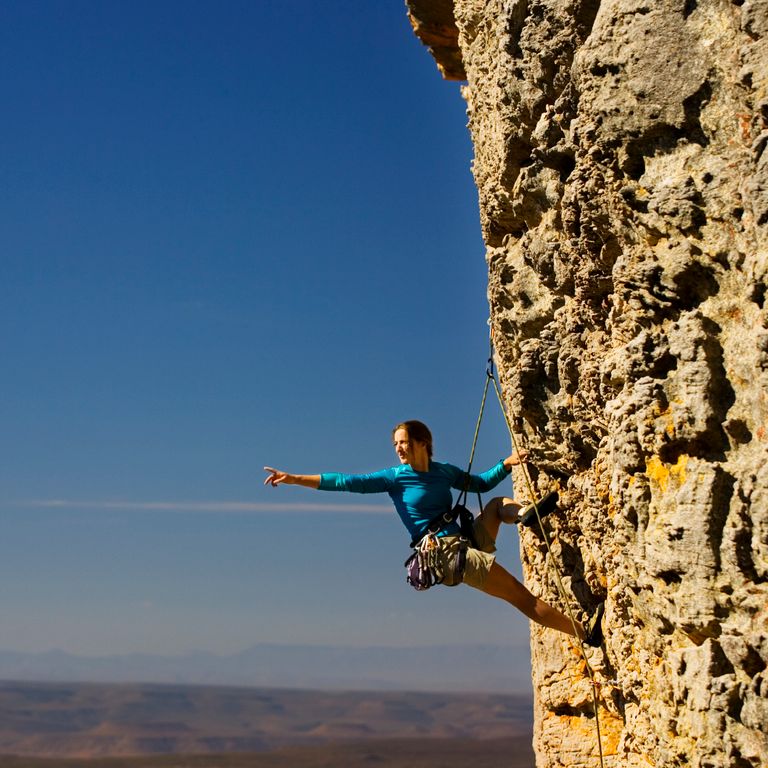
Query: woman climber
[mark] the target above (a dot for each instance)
(421, 491)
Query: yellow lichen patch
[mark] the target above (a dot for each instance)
(583, 729)
(665, 474)
(611, 731)
(573, 725)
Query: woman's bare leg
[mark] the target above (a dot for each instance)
(502, 584)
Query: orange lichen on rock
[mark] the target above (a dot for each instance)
(663, 474)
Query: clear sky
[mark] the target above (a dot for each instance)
(231, 234)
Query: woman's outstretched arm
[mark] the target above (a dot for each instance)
(375, 482)
(276, 477)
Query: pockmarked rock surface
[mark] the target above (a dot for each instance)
(621, 160)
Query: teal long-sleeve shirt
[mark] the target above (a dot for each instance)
(418, 496)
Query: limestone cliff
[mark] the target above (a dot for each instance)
(621, 159)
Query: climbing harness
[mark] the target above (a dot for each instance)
(458, 514)
(423, 568)
(551, 562)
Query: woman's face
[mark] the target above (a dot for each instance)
(405, 448)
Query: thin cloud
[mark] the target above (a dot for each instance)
(226, 507)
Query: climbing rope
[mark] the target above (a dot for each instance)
(477, 425)
(551, 562)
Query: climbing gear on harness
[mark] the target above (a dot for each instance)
(546, 504)
(424, 568)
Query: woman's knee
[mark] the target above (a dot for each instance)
(493, 507)
(504, 509)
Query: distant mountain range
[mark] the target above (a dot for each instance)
(484, 668)
(393, 728)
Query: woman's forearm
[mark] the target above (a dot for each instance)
(308, 481)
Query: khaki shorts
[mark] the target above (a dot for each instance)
(478, 562)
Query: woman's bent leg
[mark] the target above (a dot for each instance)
(497, 511)
(502, 584)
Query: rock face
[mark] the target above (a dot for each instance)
(621, 159)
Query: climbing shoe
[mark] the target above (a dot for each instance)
(546, 504)
(593, 629)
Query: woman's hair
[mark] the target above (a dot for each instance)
(417, 430)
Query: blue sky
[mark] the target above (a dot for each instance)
(231, 234)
